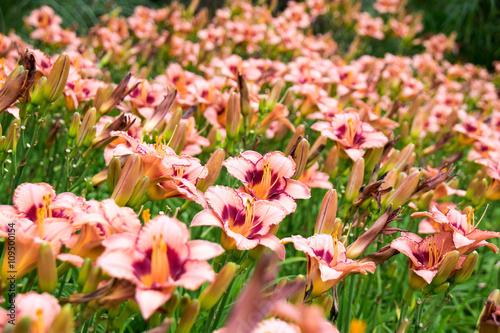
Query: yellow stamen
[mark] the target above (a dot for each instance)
(351, 131)
(160, 269)
(146, 216)
(40, 323)
(40, 212)
(335, 251)
(262, 189)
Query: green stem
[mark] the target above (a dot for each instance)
(419, 315)
(221, 307)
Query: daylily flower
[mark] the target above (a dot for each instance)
(41, 309)
(268, 177)
(245, 221)
(157, 260)
(465, 232)
(351, 134)
(426, 255)
(327, 262)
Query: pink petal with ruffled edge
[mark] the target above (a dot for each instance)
(196, 273)
(297, 189)
(272, 242)
(206, 217)
(251, 155)
(240, 168)
(203, 250)
(242, 243)
(71, 258)
(281, 165)
(150, 300)
(426, 274)
(29, 197)
(354, 154)
(224, 201)
(328, 273)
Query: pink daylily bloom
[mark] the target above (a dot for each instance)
(245, 221)
(351, 134)
(157, 260)
(426, 255)
(465, 232)
(327, 262)
(268, 177)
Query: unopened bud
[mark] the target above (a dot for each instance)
(172, 303)
(326, 222)
(172, 124)
(416, 282)
(23, 325)
(47, 270)
(37, 93)
(185, 300)
(212, 294)
(331, 162)
(160, 112)
(325, 302)
(479, 192)
(215, 139)
(299, 156)
(93, 280)
(188, 317)
(274, 95)
(64, 322)
(89, 137)
(425, 200)
(355, 180)
(74, 126)
(114, 171)
(392, 270)
(299, 133)
(468, 266)
(441, 288)
(13, 135)
(299, 296)
(403, 158)
(88, 122)
(245, 107)
(214, 166)
(178, 139)
(57, 78)
(233, 116)
(404, 192)
(84, 272)
(390, 162)
(316, 150)
(139, 191)
(372, 157)
(131, 173)
(446, 267)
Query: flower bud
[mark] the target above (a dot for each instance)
(316, 150)
(74, 126)
(245, 107)
(47, 270)
(299, 296)
(425, 200)
(299, 133)
(488, 320)
(93, 280)
(172, 124)
(84, 272)
(114, 171)
(12, 87)
(390, 162)
(131, 173)
(88, 122)
(299, 156)
(468, 266)
(3, 144)
(331, 162)
(116, 95)
(326, 222)
(404, 192)
(172, 303)
(372, 157)
(213, 292)
(355, 180)
(446, 267)
(188, 317)
(392, 270)
(178, 138)
(214, 166)
(13, 135)
(64, 322)
(416, 282)
(57, 78)
(215, 139)
(403, 158)
(160, 112)
(139, 191)
(441, 288)
(185, 300)
(37, 92)
(479, 192)
(87, 142)
(274, 95)
(233, 116)
(23, 325)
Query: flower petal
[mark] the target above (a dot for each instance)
(203, 250)
(297, 189)
(150, 300)
(272, 242)
(196, 273)
(206, 217)
(240, 168)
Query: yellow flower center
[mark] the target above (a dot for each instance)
(146, 216)
(262, 189)
(351, 131)
(42, 213)
(160, 269)
(39, 326)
